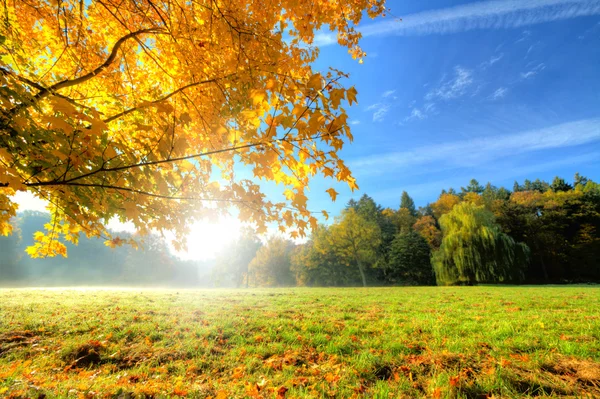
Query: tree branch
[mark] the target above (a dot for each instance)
(45, 92)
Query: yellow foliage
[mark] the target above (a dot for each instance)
(135, 109)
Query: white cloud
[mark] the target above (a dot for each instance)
(495, 14)
(421, 113)
(453, 88)
(534, 71)
(482, 150)
(388, 93)
(373, 107)
(380, 113)
(500, 93)
(415, 114)
(524, 36)
(355, 122)
(492, 61)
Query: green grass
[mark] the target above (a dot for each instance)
(463, 342)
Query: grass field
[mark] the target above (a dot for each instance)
(465, 342)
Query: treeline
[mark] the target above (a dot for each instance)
(93, 263)
(538, 232)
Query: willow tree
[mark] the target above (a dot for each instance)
(475, 250)
(143, 110)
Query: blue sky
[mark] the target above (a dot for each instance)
(493, 90)
(497, 90)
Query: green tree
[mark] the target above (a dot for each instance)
(233, 260)
(473, 187)
(271, 267)
(410, 259)
(559, 184)
(356, 240)
(579, 180)
(475, 250)
(407, 202)
(317, 263)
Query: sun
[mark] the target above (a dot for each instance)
(205, 239)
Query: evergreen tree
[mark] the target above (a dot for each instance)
(579, 180)
(410, 260)
(559, 184)
(407, 202)
(473, 187)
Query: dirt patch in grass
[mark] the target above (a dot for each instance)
(16, 339)
(83, 356)
(585, 373)
(563, 376)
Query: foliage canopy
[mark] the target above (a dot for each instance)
(140, 110)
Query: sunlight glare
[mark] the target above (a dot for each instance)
(205, 239)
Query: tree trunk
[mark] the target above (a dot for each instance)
(362, 272)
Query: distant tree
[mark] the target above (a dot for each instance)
(560, 228)
(474, 249)
(473, 187)
(579, 180)
(559, 184)
(425, 210)
(271, 267)
(444, 204)
(356, 240)
(366, 207)
(473, 198)
(234, 259)
(517, 187)
(317, 263)
(410, 259)
(404, 220)
(369, 210)
(10, 256)
(407, 202)
(427, 228)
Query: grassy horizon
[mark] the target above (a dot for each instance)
(440, 342)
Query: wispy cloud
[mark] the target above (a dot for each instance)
(421, 113)
(454, 87)
(380, 113)
(415, 114)
(524, 36)
(388, 93)
(534, 71)
(355, 122)
(496, 14)
(492, 61)
(483, 150)
(500, 93)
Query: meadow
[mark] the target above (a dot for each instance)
(436, 342)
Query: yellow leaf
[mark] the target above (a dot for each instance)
(332, 193)
(315, 81)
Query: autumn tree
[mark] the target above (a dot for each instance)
(355, 241)
(444, 204)
(271, 267)
(143, 111)
(428, 229)
(475, 250)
